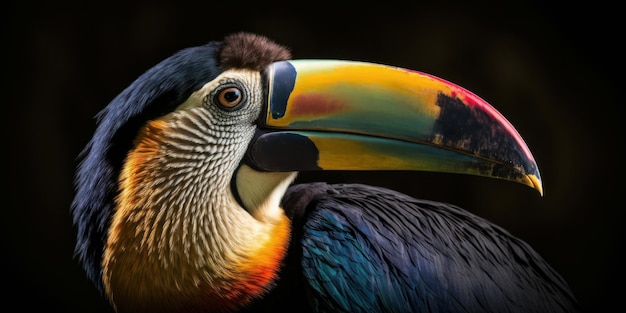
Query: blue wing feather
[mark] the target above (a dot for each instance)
(367, 249)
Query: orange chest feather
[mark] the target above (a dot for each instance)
(255, 274)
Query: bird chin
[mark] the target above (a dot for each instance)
(260, 193)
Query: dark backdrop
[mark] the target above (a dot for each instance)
(552, 71)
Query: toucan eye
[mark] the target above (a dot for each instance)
(229, 97)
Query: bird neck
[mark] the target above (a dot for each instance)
(179, 239)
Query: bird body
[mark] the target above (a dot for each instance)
(368, 248)
(185, 202)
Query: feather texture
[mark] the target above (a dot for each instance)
(368, 249)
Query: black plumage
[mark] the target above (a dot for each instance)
(371, 249)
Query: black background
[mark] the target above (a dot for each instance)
(553, 71)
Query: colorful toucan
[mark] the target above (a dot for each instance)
(185, 196)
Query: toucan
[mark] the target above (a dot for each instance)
(187, 201)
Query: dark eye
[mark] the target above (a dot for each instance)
(229, 97)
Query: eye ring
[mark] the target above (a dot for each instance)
(230, 97)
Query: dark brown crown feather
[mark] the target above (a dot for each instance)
(246, 50)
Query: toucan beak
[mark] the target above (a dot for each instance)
(344, 115)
